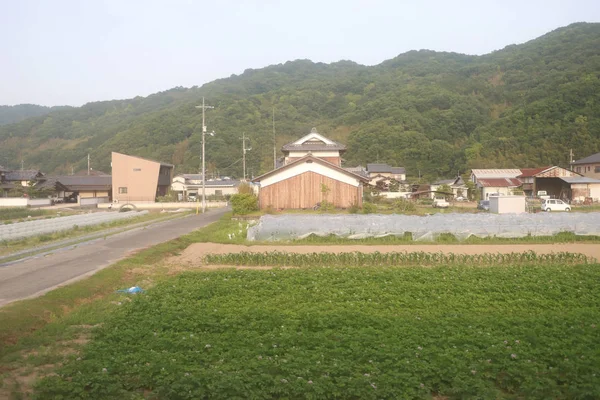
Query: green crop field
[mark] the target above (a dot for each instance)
(514, 332)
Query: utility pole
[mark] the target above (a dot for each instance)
(571, 156)
(88, 163)
(274, 142)
(244, 150)
(204, 107)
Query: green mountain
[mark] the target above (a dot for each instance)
(434, 113)
(20, 112)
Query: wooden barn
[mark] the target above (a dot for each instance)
(306, 178)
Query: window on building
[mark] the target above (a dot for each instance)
(137, 169)
(597, 169)
(122, 190)
(218, 193)
(578, 170)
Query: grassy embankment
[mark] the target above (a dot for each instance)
(39, 335)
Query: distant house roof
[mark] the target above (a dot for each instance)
(51, 182)
(496, 173)
(22, 175)
(499, 182)
(385, 168)
(530, 172)
(594, 158)
(579, 179)
(76, 183)
(6, 185)
(360, 170)
(92, 172)
(311, 158)
(458, 181)
(314, 141)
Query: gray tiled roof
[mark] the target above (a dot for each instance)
(90, 182)
(358, 170)
(313, 147)
(385, 168)
(22, 175)
(594, 158)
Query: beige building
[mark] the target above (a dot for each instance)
(589, 166)
(139, 179)
(191, 185)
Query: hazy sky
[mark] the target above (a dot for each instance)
(57, 52)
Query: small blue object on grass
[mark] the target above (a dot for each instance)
(133, 289)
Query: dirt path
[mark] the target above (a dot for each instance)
(192, 256)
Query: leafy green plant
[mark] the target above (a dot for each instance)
(244, 203)
(354, 209)
(369, 208)
(404, 206)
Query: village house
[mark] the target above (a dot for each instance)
(139, 179)
(588, 166)
(458, 186)
(186, 185)
(311, 174)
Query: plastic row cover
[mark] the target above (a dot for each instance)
(289, 227)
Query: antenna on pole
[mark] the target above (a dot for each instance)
(274, 142)
(244, 150)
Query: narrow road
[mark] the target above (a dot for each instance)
(34, 276)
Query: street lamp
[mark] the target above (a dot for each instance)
(204, 107)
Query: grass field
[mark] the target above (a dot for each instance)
(462, 332)
(360, 332)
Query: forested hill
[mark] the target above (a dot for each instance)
(12, 114)
(438, 113)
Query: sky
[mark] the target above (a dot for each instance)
(70, 52)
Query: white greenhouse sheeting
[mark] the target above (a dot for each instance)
(289, 227)
(25, 229)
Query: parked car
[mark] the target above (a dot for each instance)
(461, 198)
(555, 205)
(483, 205)
(440, 203)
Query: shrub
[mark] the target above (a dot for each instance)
(403, 206)
(354, 209)
(245, 188)
(244, 203)
(269, 210)
(326, 206)
(369, 208)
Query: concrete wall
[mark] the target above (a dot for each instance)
(88, 201)
(507, 204)
(161, 206)
(395, 195)
(24, 202)
(138, 176)
(94, 193)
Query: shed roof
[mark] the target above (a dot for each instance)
(594, 158)
(384, 168)
(580, 179)
(311, 158)
(499, 182)
(530, 172)
(496, 173)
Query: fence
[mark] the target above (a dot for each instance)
(40, 227)
(24, 202)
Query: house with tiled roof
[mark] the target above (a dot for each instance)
(387, 171)
(588, 166)
(191, 185)
(458, 186)
(316, 145)
(311, 174)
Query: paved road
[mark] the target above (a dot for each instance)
(34, 276)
